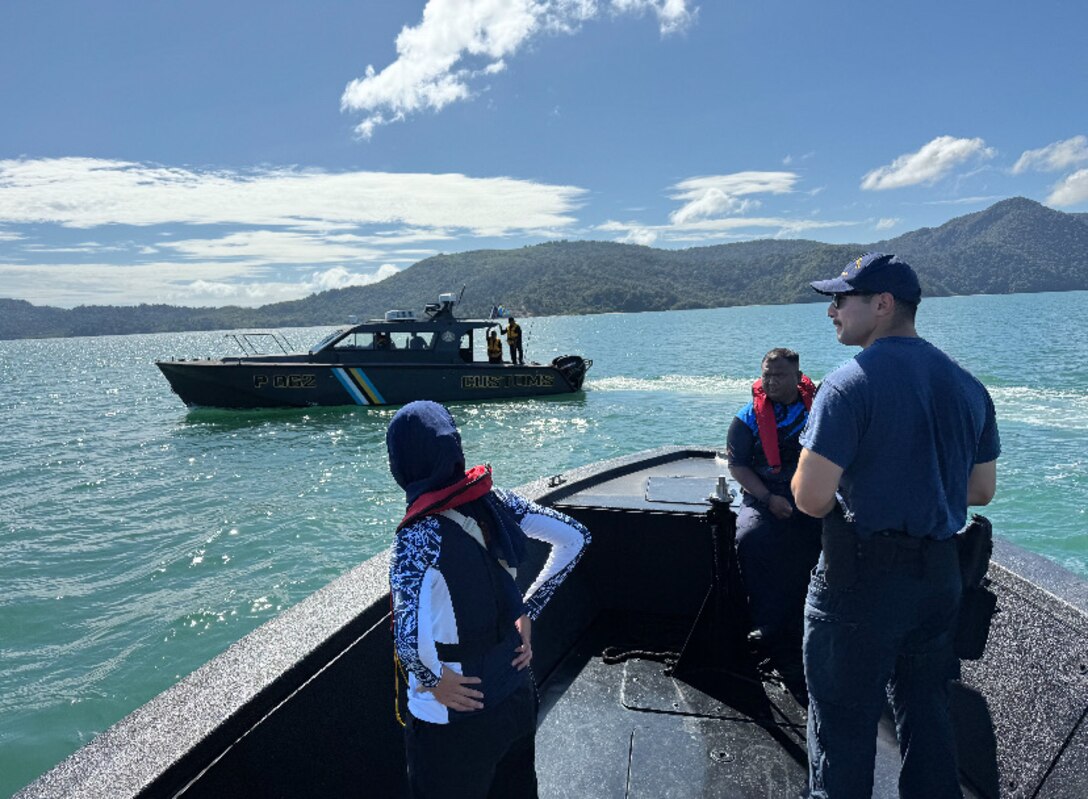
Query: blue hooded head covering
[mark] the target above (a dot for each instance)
(424, 449)
(425, 455)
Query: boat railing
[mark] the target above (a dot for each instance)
(255, 343)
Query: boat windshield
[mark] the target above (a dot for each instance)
(381, 340)
(326, 340)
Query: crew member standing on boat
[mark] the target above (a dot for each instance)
(494, 347)
(909, 440)
(513, 340)
(461, 627)
(777, 545)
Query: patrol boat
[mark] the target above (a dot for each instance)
(646, 688)
(388, 361)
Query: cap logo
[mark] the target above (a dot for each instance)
(857, 266)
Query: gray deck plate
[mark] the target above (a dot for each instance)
(647, 687)
(589, 746)
(680, 490)
(678, 486)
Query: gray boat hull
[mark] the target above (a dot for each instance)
(244, 383)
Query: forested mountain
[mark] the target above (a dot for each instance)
(1016, 245)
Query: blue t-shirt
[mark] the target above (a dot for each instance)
(907, 424)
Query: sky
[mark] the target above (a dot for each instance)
(246, 152)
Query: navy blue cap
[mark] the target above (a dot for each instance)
(875, 273)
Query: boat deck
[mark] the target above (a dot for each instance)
(628, 729)
(303, 706)
(614, 726)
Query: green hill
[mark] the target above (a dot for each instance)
(1016, 245)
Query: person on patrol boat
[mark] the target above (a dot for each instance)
(513, 340)
(461, 627)
(494, 347)
(777, 545)
(905, 439)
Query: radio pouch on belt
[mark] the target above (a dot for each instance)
(840, 548)
(975, 545)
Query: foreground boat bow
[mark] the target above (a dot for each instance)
(303, 706)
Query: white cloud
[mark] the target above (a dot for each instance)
(639, 235)
(275, 247)
(1054, 157)
(458, 41)
(790, 158)
(208, 292)
(718, 195)
(70, 284)
(713, 208)
(215, 284)
(244, 228)
(1071, 190)
(673, 16)
(976, 200)
(928, 165)
(86, 192)
(340, 278)
(718, 229)
(887, 223)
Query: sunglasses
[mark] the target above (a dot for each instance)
(837, 299)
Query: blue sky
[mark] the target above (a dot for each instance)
(244, 152)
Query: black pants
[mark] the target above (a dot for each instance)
(776, 557)
(516, 353)
(485, 756)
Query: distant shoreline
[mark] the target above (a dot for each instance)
(1015, 246)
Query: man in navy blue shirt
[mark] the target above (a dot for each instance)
(899, 442)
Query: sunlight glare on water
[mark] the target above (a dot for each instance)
(141, 539)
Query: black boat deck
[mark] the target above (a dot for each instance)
(303, 706)
(629, 729)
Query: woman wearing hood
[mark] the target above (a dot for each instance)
(461, 627)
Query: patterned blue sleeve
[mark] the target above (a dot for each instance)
(415, 550)
(568, 540)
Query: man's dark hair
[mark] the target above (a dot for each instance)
(781, 353)
(905, 311)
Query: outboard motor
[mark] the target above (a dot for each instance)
(573, 368)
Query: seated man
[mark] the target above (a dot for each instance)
(777, 545)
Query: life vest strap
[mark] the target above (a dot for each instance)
(766, 423)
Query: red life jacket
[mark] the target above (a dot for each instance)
(475, 484)
(768, 425)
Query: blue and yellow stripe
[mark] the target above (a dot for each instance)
(360, 387)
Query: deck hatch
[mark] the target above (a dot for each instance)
(680, 490)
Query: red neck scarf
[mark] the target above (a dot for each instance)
(768, 425)
(475, 484)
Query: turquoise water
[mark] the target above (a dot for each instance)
(140, 540)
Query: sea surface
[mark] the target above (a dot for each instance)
(140, 539)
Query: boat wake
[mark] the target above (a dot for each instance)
(675, 384)
(1057, 409)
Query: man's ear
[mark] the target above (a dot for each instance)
(885, 303)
